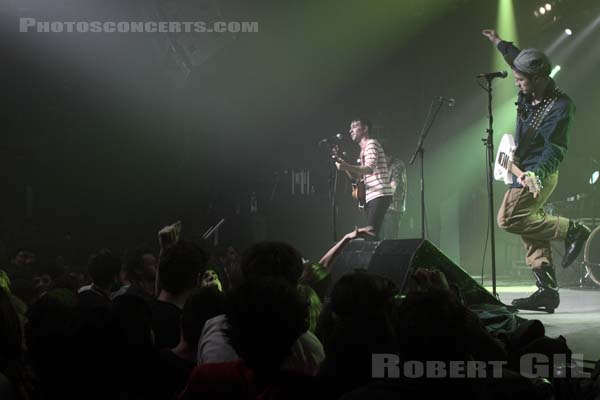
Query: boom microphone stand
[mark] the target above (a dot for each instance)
(421, 151)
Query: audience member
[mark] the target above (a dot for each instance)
(179, 266)
(177, 363)
(15, 376)
(266, 316)
(139, 274)
(262, 260)
(104, 270)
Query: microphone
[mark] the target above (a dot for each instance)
(450, 102)
(335, 138)
(492, 75)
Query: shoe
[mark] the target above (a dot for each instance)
(546, 298)
(577, 235)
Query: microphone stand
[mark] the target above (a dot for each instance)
(421, 151)
(488, 142)
(332, 183)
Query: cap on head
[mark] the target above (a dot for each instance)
(532, 62)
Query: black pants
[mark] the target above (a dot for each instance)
(376, 210)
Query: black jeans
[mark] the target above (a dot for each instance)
(376, 210)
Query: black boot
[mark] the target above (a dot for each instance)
(546, 298)
(577, 235)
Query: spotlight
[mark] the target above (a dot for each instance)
(568, 32)
(548, 7)
(536, 13)
(542, 10)
(594, 177)
(555, 71)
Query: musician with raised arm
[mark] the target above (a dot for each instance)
(544, 116)
(373, 169)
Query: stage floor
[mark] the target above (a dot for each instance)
(577, 318)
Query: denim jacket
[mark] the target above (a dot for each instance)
(550, 141)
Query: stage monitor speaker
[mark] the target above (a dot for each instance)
(397, 259)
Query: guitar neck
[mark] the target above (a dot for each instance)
(513, 169)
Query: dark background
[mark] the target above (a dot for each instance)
(108, 137)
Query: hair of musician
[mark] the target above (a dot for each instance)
(366, 122)
(542, 74)
(532, 62)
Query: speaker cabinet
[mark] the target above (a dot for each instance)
(398, 259)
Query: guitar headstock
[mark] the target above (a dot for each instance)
(533, 184)
(336, 153)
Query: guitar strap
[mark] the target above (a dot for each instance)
(532, 127)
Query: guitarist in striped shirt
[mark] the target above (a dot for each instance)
(373, 169)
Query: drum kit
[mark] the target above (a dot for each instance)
(584, 208)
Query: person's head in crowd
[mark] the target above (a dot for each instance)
(316, 276)
(79, 272)
(12, 348)
(180, 265)
(44, 276)
(225, 254)
(210, 278)
(361, 295)
(104, 269)
(140, 269)
(4, 281)
(23, 262)
(202, 305)
(225, 261)
(314, 306)
(23, 256)
(433, 325)
(266, 316)
(272, 259)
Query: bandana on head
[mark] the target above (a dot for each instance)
(532, 62)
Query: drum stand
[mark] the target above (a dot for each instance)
(589, 276)
(585, 282)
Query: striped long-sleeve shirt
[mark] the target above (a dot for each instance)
(377, 184)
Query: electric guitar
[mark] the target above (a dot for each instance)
(505, 169)
(358, 184)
